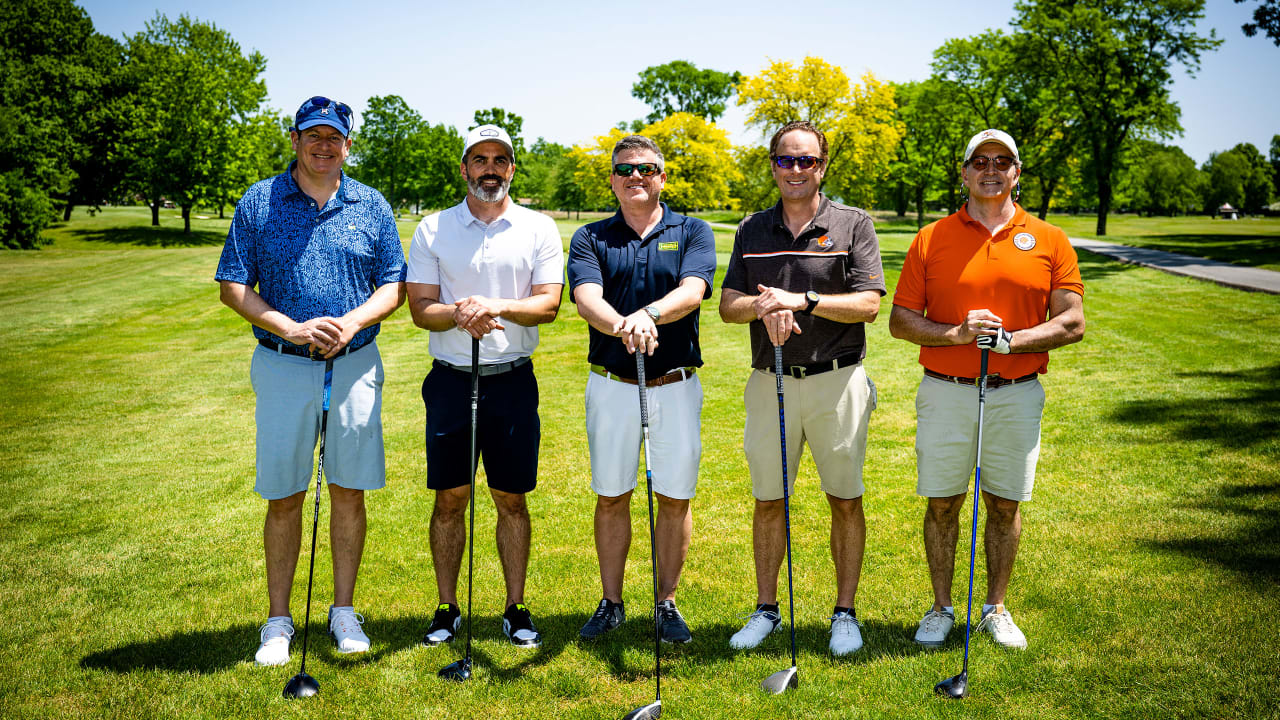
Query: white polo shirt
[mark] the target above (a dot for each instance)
(503, 259)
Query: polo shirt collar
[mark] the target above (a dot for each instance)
(669, 219)
(468, 218)
(343, 195)
(1019, 218)
(819, 221)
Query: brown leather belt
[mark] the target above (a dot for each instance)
(993, 381)
(674, 376)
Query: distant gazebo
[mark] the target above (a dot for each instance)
(1228, 213)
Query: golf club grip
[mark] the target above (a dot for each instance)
(644, 400)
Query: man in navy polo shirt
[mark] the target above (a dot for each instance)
(806, 275)
(638, 279)
(313, 261)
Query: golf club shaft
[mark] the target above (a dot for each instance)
(315, 517)
(786, 492)
(471, 498)
(653, 543)
(977, 490)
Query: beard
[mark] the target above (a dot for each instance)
(488, 195)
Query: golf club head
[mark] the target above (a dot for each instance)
(459, 671)
(781, 681)
(652, 711)
(954, 688)
(300, 686)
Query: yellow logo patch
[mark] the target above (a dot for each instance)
(674, 245)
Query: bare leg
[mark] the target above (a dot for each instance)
(613, 541)
(769, 541)
(1000, 540)
(449, 539)
(674, 527)
(848, 541)
(281, 540)
(346, 533)
(513, 534)
(941, 529)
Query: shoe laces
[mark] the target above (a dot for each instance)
(603, 611)
(272, 629)
(844, 622)
(933, 620)
(998, 622)
(759, 616)
(342, 619)
(667, 610)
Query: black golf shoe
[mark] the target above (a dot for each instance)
(671, 624)
(518, 626)
(607, 616)
(443, 626)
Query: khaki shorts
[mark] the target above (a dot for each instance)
(829, 411)
(947, 432)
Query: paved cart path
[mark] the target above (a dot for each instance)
(1234, 276)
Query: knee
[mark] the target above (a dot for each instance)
(1003, 513)
(510, 505)
(346, 499)
(845, 508)
(672, 506)
(614, 505)
(285, 508)
(769, 510)
(944, 510)
(450, 504)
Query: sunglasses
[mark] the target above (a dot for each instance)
(980, 162)
(645, 169)
(320, 101)
(786, 162)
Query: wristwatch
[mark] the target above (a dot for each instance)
(811, 302)
(653, 312)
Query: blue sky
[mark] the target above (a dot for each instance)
(567, 67)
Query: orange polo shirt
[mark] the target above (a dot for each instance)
(954, 265)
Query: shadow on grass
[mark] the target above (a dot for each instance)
(1247, 416)
(1099, 267)
(1243, 249)
(1252, 544)
(148, 236)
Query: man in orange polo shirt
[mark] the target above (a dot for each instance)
(988, 276)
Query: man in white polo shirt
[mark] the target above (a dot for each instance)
(486, 268)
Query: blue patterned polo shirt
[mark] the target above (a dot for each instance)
(310, 262)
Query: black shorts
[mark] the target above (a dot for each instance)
(507, 428)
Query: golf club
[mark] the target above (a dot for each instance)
(957, 687)
(302, 684)
(653, 710)
(780, 681)
(460, 670)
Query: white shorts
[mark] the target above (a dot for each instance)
(290, 399)
(947, 434)
(614, 435)
(829, 411)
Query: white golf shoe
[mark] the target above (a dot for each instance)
(934, 627)
(846, 636)
(344, 626)
(759, 624)
(274, 635)
(999, 623)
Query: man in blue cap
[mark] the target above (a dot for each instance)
(313, 261)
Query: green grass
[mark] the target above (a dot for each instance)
(1253, 241)
(132, 581)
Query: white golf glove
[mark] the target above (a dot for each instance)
(998, 342)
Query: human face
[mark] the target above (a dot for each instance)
(637, 190)
(796, 183)
(488, 170)
(990, 183)
(321, 150)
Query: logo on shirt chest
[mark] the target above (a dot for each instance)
(668, 246)
(825, 242)
(1024, 241)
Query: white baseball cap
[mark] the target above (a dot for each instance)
(995, 136)
(488, 133)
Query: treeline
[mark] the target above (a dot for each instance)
(176, 112)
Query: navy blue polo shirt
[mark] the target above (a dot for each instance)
(635, 272)
(307, 261)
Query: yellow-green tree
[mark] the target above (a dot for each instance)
(858, 120)
(699, 163)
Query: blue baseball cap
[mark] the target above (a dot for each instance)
(320, 110)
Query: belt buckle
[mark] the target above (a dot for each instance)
(798, 371)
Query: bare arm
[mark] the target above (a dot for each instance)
(638, 328)
(478, 315)
(777, 308)
(325, 334)
(1064, 326)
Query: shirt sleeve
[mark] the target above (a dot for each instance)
(865, 269)
(735, 277)
(423, 265)
(1066, 267)
(584, 264)
(910, 291)
(699, 258)
(548, 259)
(390, 251)
(237, 263)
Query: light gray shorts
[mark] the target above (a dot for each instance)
(289, 392)
(947, 433)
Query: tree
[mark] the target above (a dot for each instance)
(539, 168)
(1108, 62)
(679, 86)
(858, 120)
(1225, 175)
(937, 124)
(754, 189)
(435, 182)
(100, 161)
(1161, 180)
(385, 149)
(1274, 159)
(196, 89)
(1266, 17)
(51, 83)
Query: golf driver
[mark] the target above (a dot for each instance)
(302, 684)
(653, 710)
(780, 681)
(460, 670)
(957, 687)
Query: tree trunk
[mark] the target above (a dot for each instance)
(155, 212)
(220, 215)
(920, 205)
(1104, 199)
(900, 199)
(66, 211)
(186, 219)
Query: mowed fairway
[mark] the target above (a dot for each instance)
(132, 582)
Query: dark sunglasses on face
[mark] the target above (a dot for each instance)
(804, 162)
(980, 162)
(320, 101)
(645, 169)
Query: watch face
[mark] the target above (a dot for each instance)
(811, 296)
